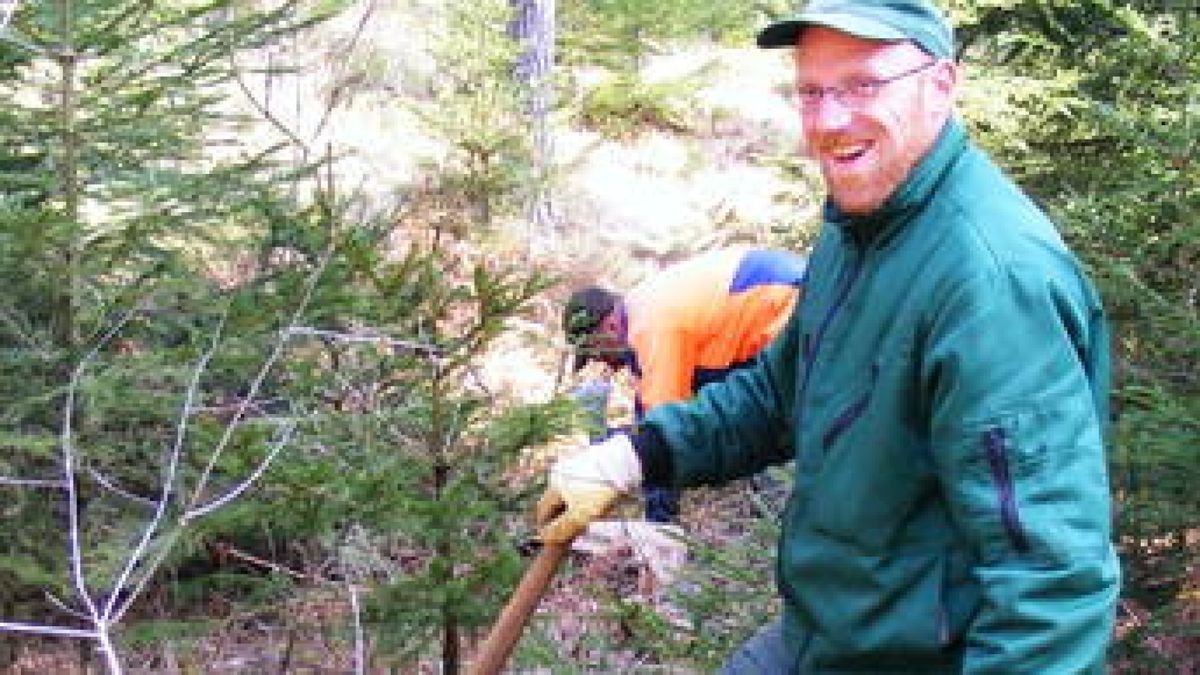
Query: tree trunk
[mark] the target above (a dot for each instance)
(64, 305)
(533, 25)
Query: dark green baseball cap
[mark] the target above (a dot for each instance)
(888, 20)
(582, 315)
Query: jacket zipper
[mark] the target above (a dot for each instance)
(812, 344)
(851, 414)
(996, 447)
(809, 347)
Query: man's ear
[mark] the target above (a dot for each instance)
(945, 82)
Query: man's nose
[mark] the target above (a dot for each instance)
(827, 113)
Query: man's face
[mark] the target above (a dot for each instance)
(606, 344)
(867, 145)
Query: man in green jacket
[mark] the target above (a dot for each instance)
(943, 385)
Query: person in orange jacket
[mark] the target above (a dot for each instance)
(689, 324)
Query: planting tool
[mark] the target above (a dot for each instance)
(498, 645)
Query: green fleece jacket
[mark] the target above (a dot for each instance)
(942, 388)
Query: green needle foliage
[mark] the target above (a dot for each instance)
(619, 35)
(1100, 120)
(113, 208)
(239, 341)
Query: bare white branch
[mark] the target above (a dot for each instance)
(69, 484)
(107, 648)
(68, 469)
(115, 610)
(7, 481)
(62, 606)
(53, 631)
(171, 470)
(256, 384)
(276, 446)
(406, 345)
(147, 573)
(111, 486)
(360, 651)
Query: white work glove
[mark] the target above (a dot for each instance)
(584, 485)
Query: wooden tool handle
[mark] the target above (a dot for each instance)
(494, 651)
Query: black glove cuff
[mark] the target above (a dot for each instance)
(654, 454)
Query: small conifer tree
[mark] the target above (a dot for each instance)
(113, 207)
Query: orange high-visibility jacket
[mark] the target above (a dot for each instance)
(694, 321)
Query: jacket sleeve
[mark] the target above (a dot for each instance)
(732, 428)
(1013, 378)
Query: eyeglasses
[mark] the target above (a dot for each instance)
(853, 94)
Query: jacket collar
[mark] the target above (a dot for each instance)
(910, 196)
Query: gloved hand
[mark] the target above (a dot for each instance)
(584, 485)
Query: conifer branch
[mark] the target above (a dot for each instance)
(336, 92)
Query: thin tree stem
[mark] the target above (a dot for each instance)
(53, 631)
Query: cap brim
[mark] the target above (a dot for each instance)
(785, 33)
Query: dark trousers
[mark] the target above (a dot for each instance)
(662, 504)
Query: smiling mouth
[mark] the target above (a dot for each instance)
(847, 153)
